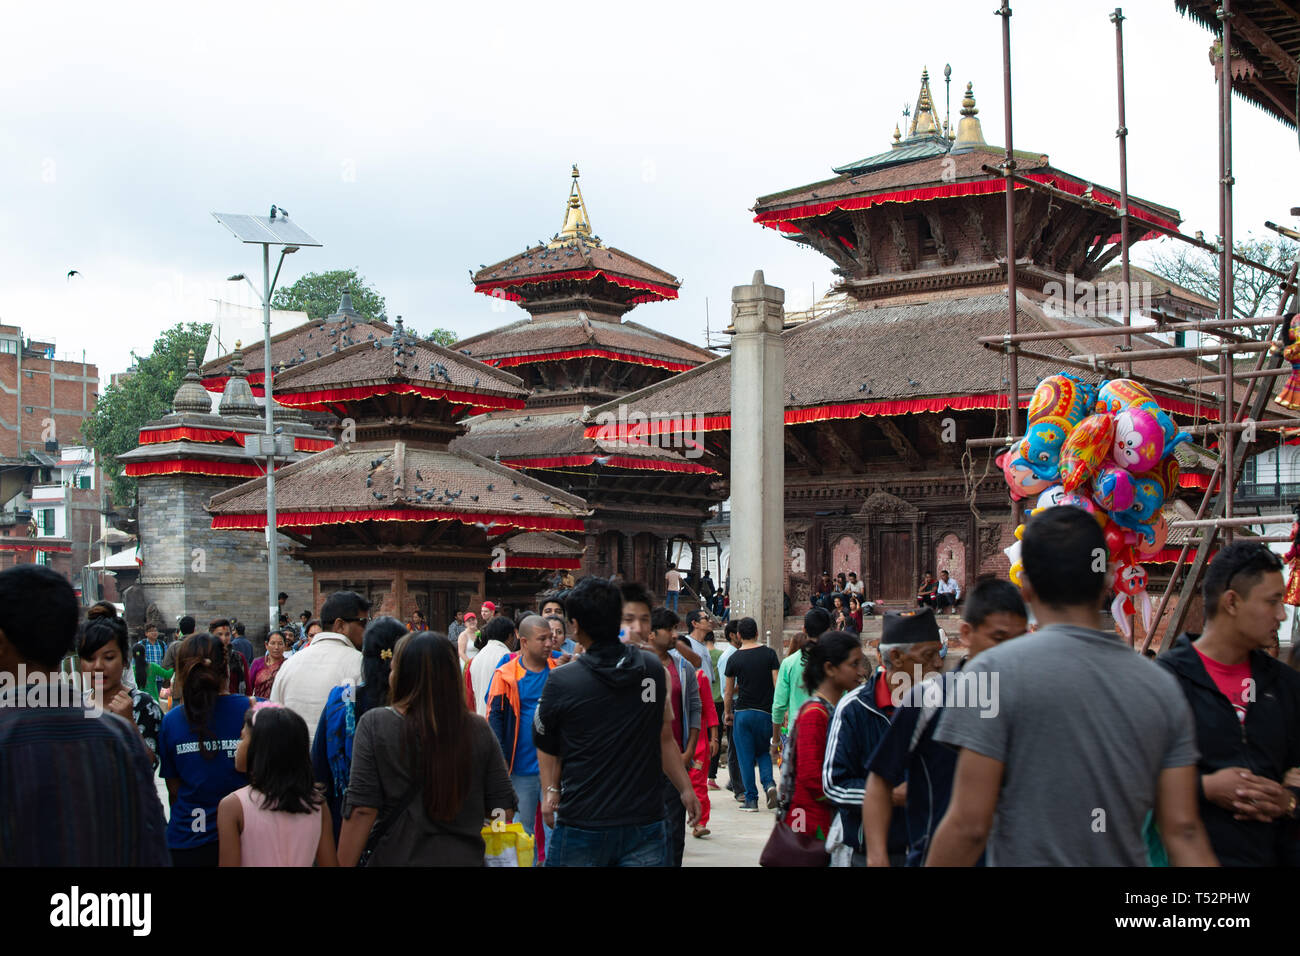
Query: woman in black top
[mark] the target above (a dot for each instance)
(428, 764)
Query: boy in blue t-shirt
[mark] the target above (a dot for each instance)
(994, 613)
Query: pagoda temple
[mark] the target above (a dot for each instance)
(391, 512)
(885, 391)
(575, 349)
(182, 460)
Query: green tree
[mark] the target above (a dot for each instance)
(444, 337)
(139, 397)
(1254, 291)
(318, 294)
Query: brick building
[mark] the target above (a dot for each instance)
(43, 400)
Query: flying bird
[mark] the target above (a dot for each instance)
(71, 273)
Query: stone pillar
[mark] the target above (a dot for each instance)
(757, 456)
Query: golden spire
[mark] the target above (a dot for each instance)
(898, 137)
(969, 132)
(923, 121)
(577, 224)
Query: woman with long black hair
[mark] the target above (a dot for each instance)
(197, 747)
(426, 767)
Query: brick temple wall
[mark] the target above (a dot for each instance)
(191, 569)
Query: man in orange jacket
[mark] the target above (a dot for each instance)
(512, 698)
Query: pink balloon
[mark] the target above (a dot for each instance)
(1139, 440)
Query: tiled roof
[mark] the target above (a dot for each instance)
(934, 171)
(297, 345)
(544, 543)
(919, 350)
(541, 262)
(420, 363)
(570, 331)
(552, 435)
(335, 480)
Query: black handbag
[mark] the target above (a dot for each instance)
(382, 826)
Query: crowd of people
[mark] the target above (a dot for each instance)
(596, 721)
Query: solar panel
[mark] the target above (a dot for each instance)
(262, 229)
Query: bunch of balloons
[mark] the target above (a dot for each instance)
(1107, 449)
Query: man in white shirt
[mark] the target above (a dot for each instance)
(948, 593)
(332, 658)
(855, 586)
(674, 581)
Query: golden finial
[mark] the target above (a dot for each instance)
(577, 224)
(923, 119)
(238, 344)
(969, 132)
(897, 135)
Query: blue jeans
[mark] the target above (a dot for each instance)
(671, 601)
(752, 732)
(528, 790)
(617, 846)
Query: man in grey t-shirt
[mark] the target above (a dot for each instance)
(1068, 738)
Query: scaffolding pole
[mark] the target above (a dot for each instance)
(1009, 170)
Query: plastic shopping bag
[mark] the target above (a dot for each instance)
(507, 844)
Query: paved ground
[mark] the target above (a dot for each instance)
(735, 838)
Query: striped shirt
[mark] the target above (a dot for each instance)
(77, 790)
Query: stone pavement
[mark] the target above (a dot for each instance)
(735, 838)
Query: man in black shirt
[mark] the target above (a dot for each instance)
(604, 740)
(1247, 709)
(747, 701)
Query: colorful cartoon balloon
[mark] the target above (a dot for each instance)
(1130, 594)
(1146, 550)
(1041, 448)
(1121, 393)
(1062, 397)
(1088, 445)
(1112, 488)
(1167, 474)
(1139, 441)
(1050, 498)
(1148, 496)
(1019, 476)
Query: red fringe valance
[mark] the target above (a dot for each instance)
(56, 548)
(800, 416)
(157, 436)
(314, 519)
(1170, 556)
(191, 466)
(217, 383)
(627, 357)
(525, 563)
(1193, 481)
(660, 291)
(476, 402)
(783, 219)
(614, 461)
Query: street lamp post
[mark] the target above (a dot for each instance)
(275, 230)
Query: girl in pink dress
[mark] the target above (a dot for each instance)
(280, 818)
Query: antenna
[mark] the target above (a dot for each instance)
(708, 336)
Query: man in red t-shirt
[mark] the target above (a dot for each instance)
(1247, 709)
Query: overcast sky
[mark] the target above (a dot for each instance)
(418, 142)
